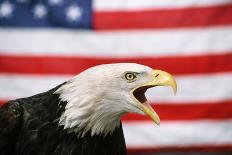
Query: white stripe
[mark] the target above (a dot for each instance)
(115, 5)
(195, 88)
(23, 86)
(116, 44)
(168, 134)
(213, 87)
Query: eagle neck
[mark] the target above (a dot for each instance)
(88, 111)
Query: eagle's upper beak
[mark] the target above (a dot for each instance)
(160, 78)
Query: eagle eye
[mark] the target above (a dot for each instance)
(130, 77)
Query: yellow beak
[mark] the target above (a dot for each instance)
(160, 78)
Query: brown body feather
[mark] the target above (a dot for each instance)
(30, 126)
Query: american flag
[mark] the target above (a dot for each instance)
(45, 42)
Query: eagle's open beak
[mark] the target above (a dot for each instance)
(160, 78)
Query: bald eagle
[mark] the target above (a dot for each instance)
(82, 115)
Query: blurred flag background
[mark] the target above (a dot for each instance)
(45, 42)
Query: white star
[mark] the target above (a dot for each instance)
(6, 9)
(73, 13)
(40, 11)
(55, 2)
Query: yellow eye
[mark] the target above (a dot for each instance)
(130, 76)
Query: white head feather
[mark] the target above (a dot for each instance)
(99, 96)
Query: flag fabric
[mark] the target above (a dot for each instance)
(45, 42)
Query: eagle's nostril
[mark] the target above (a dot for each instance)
(156, 75)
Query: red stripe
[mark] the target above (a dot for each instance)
(188, 111)
(74, 65)
(169, 18)
(2, 102)
(208, 148)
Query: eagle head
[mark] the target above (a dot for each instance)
(99, 96)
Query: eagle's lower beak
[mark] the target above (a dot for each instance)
(160, 78)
